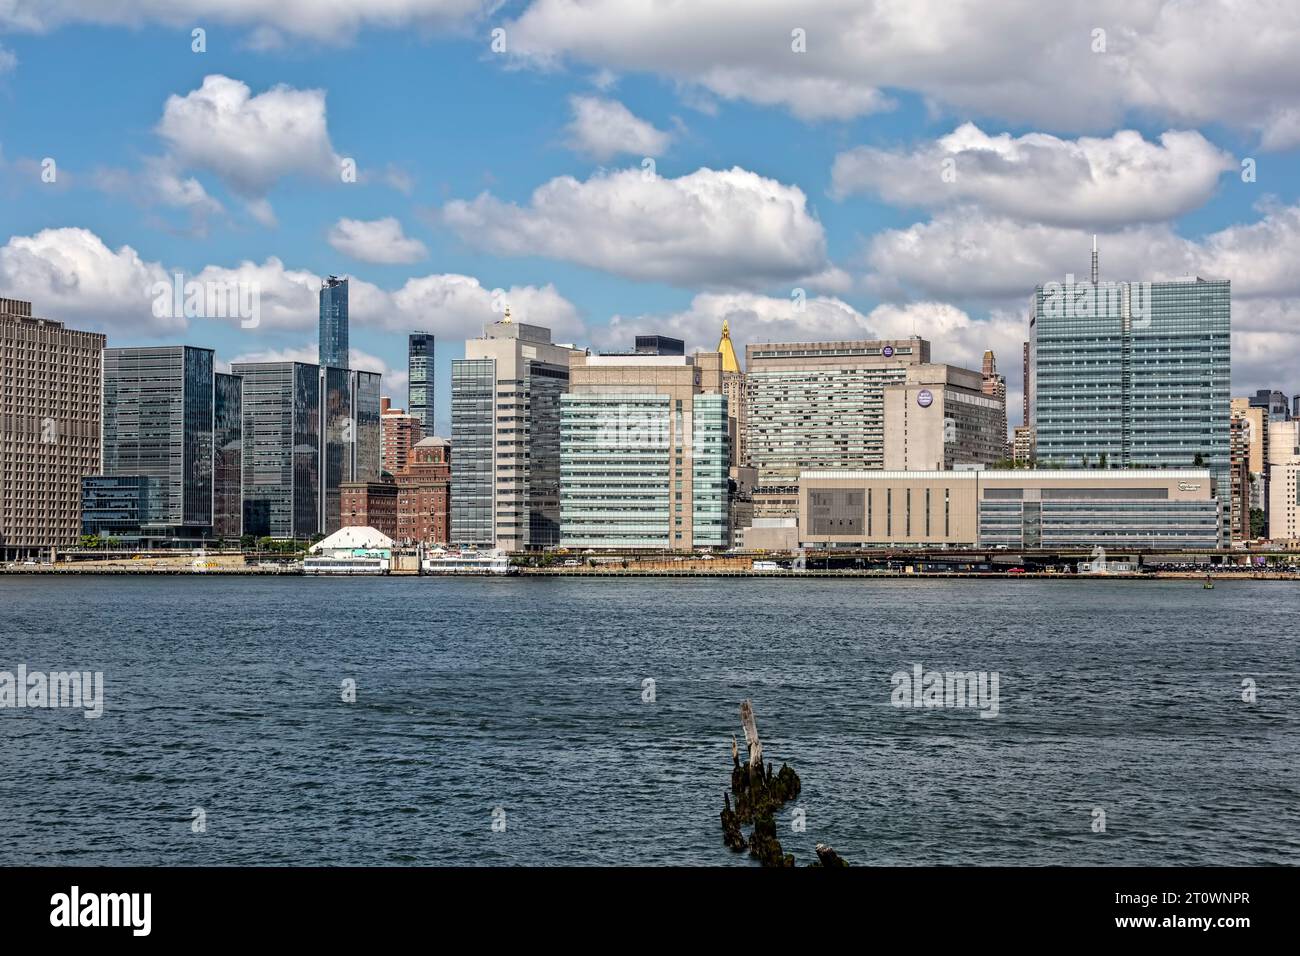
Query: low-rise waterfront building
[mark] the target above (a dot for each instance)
(1016, 509)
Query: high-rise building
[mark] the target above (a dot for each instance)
(160, 426)
(228, 451)
(643, 453)
(505, 423)
(1284, 481)
(995, 387)
(424, 494)
(1236, 511)
(1274, 402)
(1255, 422)
(334, 323)
(818, 405)
(49, 429)
(351, 436)
(282, 448)
(351, 440)
(420, 379)
(1137, 372)
(400, 433)
(941, 416)
(1026, 397)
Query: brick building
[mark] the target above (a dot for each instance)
(424, 494)
(370, 504)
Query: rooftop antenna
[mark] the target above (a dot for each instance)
(1094, 258)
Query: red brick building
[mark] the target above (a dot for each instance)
(399, 432)
(424, 494)
(370, 503)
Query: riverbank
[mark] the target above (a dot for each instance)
(90, 568)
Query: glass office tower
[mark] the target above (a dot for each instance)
(473, 394)
(334, 322)
(228, 449)
(1137, 372)
(281, 448)
(339, 433)
(158, 425)
(420, 377)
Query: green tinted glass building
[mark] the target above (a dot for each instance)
(1137, 372)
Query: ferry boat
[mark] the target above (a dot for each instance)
(466, 561)
(345, 564)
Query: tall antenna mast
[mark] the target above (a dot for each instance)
(1094, 258)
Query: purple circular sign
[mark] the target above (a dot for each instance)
(924, 398)
(887, 351)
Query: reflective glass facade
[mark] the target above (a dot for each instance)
(1138, 372)
(334, 323)
(710, 458)
(473, 400)
(228, 448)
(420, 387)
(158, 421)
(281, 448)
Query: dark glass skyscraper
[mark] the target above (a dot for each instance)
(334, 323)
(282, 448)
(158, 418)
(227, 471)
(421, 379)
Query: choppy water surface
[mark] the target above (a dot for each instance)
(225, 694)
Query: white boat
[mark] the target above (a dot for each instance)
(345, 564)
(466, 561)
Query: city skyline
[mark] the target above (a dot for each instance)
(903, 205)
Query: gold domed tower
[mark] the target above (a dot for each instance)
(729, 362)
(733, 386)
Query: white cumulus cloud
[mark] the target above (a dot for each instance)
(713, 228)
(378, 240)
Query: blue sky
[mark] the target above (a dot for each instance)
(775, 169)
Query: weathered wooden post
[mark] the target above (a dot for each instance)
(759, 795)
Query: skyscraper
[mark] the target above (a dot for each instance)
(228, 449)
(282, 448)
(995, 386)
(334, 323)
(172, 449)
(643, 452)
(1135, 371)
(420, 377)
(505, 424)
(351, 436)
(49, 429)
(159, 427)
